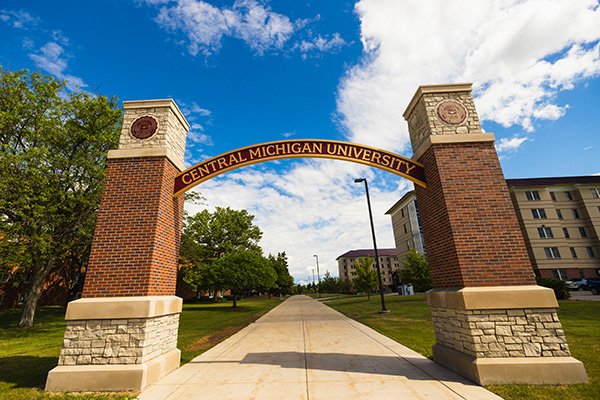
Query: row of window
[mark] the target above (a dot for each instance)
(554, 252)
(535, 195)
(545, 232)
(540, 213)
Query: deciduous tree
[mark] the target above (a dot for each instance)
(53, 148)
(415, 270)
(366, 277)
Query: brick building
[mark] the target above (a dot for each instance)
(559, 218)
(388, 262)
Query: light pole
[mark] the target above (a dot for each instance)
(318, 274)
(383, 309)
(313, 271)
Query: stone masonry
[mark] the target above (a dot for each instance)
(501, 333)
(118, 341)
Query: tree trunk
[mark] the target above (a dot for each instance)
(234, 300)
(368, 296)
(34, 292)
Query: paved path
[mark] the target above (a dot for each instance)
(303, 349)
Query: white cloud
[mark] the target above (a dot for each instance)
(288, 134)
(321, 44)
(311, 207)
(52, 59)
(512, 144)
(519, 54)
(18, 19)
(251, 21)
(205, 25)
(586, 148)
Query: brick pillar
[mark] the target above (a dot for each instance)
(122, 335)
(492, 323)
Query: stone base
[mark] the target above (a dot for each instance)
(111, 378)
(512, 370)
(117, 343)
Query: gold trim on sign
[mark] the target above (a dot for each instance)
(300, 155)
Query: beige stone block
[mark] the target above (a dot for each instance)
(494, 298)
(110, 308)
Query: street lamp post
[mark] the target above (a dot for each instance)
(318, 274)
(313, 271)
(383, 309)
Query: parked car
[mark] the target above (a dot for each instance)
(571, 285)
(594, 285)
(581, 283)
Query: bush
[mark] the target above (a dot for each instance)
(560, 287)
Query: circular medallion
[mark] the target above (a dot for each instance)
(144, 127)
(452, 112)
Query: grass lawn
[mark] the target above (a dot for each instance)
(27, 355)
(409, 323)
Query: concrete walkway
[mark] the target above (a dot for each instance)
(303, 349)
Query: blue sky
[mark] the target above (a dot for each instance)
(251, 71)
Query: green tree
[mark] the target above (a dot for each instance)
(284, 281)
(330, 284)
(242, 271)
(53, 148)
(366, 277)
(208, 236)
(415, 270)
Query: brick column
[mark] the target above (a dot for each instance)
(122, 335)
(492, 323)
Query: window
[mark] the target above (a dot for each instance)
(573, 252)
(552, 252)
(553, 196)
(590, 252)
(559, 214)
(596, 193)
(582, 232)
(532, 195)
(568, 195)
(545, 232)
(566, 233)
(538, 213)
(402, 212)
(405, 230)
(575, 213)
(560, 274)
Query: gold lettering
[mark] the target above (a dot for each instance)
(195, 175)
(186, 182)
(270, 150)
(342, 149)
(296, 148)
(357, 152)
(306, 148)
(317, 148)
(409, 168)
(233, 159)
(331, 147)
(376, 158)
(255, 153)
(241, 157)
(386, 159)
(279, 149)
(366, 155)
(203, 170)
(212, 165)
(222, 163)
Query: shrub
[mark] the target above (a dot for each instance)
(560, 287)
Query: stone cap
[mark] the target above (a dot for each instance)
(492, 298)
(438, 88)
(158, 103)
(123, 307)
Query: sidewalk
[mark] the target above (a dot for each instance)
(303, 349)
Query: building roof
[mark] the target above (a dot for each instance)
(368, 253)
(561, 180)
(400, 202)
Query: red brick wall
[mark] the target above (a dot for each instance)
(471, 232)
(136, 243)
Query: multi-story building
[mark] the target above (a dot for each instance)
(559, 219)
(388, 262)
(406, 224)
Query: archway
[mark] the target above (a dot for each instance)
(484, 295)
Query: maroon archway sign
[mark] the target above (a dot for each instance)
(492, 323)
